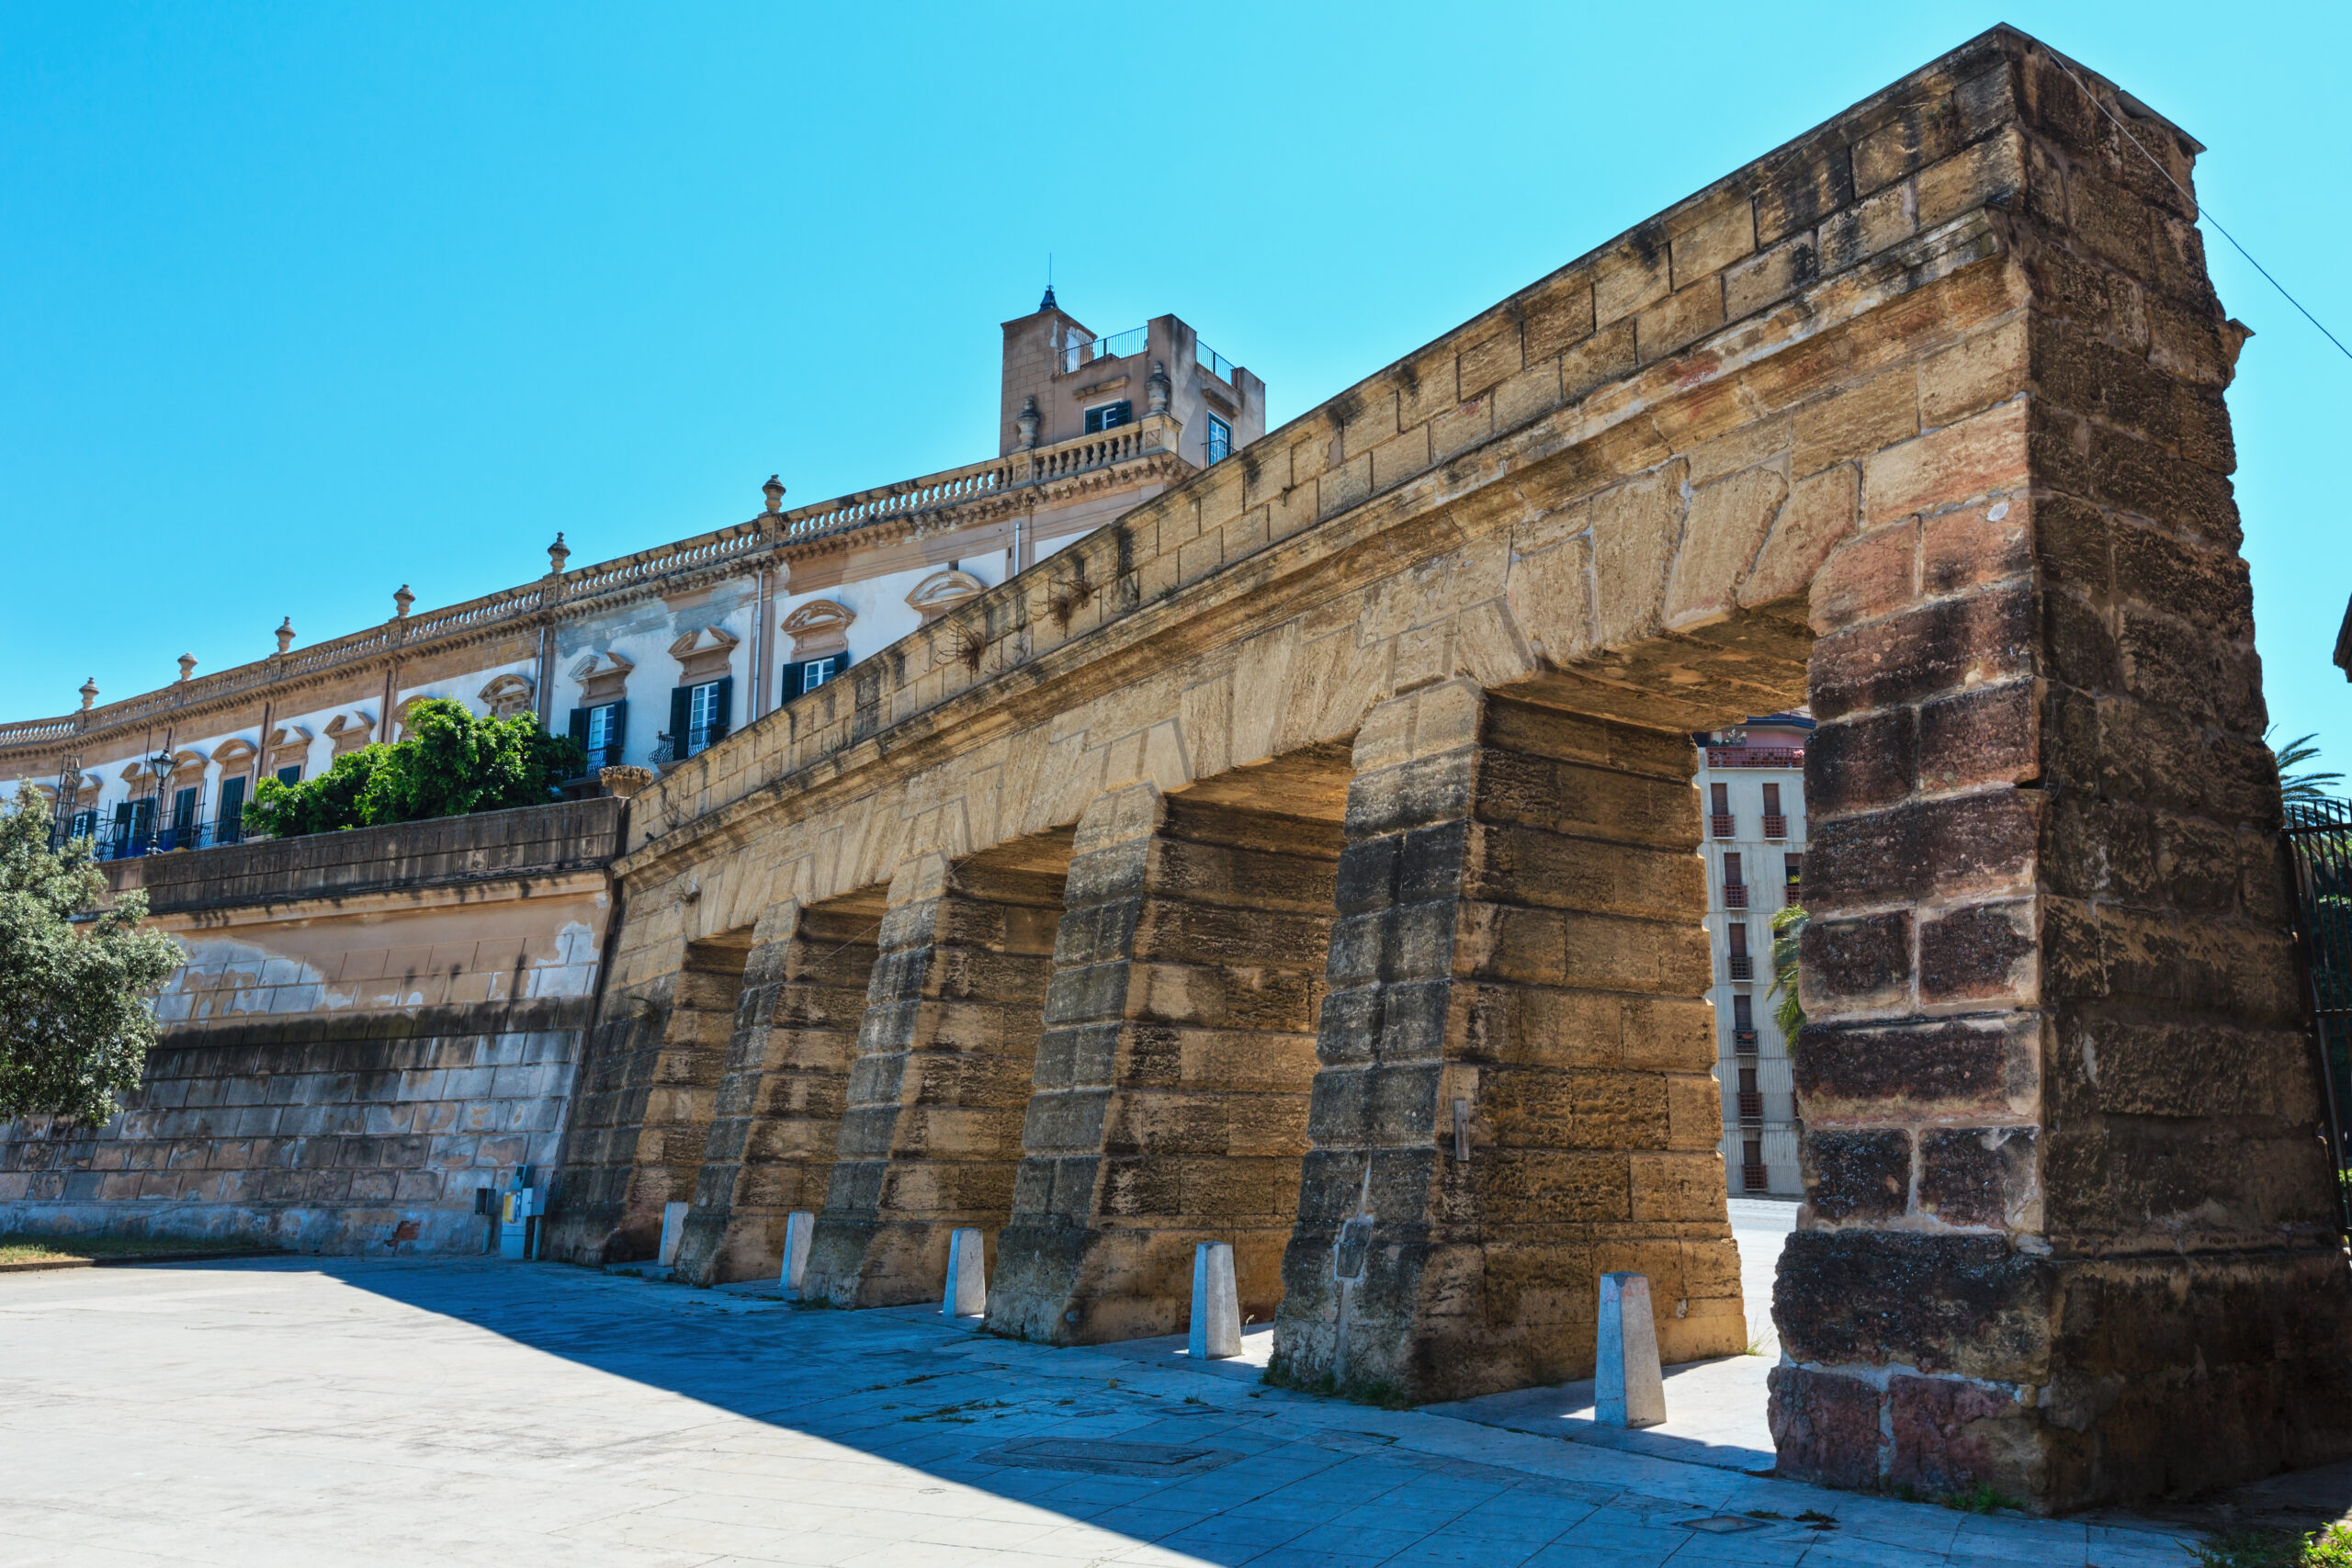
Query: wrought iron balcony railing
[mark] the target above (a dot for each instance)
(123, 836)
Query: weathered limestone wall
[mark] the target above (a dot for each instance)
(1171, 1099)
(1918, 418)
(370, 1026)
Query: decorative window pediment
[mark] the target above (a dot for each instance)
(509, 695)
(706, 654)
(603, 677)
(288, 744)
(235, 754)
(941, 592)
(350, 731)
(818, 628)
(187, 765)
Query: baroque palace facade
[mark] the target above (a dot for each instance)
(1303, 855)
(655, 657)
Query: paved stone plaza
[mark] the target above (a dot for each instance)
(410, 1413)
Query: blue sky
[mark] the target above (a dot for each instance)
(299, 303)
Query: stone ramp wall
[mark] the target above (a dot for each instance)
(370, 1026)
(361, 1135)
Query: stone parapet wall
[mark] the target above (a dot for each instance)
(561, 836)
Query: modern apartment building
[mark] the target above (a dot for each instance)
(1751, 786)
(653, 658)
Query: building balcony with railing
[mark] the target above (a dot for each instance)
(1756, 757)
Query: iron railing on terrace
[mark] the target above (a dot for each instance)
(1756, 756)
(136, 827)
(952, 487)
(1210, 360)
(1117, 345)
(2319, 850)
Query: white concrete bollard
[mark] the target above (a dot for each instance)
(1216, 1308)
(967, 1281)
(674, 1230)
(1630, 1392)
(798, 1227)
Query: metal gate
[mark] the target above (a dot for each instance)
(2319, 849)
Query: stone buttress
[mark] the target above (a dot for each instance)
(1173, 1079)
(1519, 938)
(931, 1140)
(784, 1090)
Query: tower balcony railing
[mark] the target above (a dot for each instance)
(1117, 345)
(1751, 1105)
(1775, 827)
(1735, 895)
(1756, 756)
(1742, 967)
(1720, 824)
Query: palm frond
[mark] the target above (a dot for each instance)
(1788, 932)
(2300, 785)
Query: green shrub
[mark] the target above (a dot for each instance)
(449, 764)
(2330, 1548)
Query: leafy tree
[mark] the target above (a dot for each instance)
(318, 804)
(74, 1029)
(449, 763)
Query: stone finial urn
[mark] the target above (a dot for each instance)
(1157, 387)
(773, 490)
(558, 553)
(285, 634)
(1028, 421)
(89, 693)
(187, 667)
(402, 600)
(623, 780)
